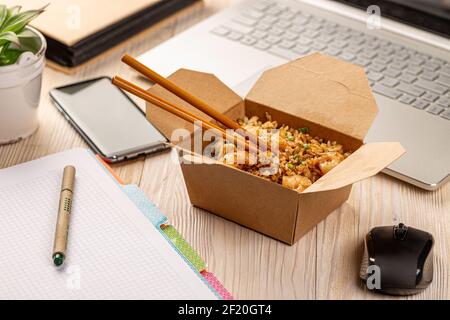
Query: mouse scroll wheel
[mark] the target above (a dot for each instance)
(400, 232)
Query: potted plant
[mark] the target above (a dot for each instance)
(22, 60)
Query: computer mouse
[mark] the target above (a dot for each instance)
(397, 260)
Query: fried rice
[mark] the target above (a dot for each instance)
(301, 158)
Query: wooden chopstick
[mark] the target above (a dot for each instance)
(178, 111)
(188, 97)
(120, 81)
(180, 92)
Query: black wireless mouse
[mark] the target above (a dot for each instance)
(397, 260)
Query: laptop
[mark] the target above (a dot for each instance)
(406, 55)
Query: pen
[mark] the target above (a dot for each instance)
(64, 210)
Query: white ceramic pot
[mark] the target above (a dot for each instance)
(20, 91)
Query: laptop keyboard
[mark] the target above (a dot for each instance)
(397, 72)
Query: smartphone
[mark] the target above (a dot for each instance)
(110, 122)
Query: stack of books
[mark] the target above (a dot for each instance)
(79, 30)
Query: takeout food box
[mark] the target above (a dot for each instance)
(331, 97)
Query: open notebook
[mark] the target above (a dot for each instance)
(114, 251)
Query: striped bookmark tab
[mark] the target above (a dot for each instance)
(217, 285)
(184, 247)
(150, 211)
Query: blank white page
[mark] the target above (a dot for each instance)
(113, 252)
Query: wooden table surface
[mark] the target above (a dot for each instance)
(322, 265)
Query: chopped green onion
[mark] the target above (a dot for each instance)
(291, 166)
(306, 146)
(304, 130)
(290, 138)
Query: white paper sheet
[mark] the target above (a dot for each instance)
(114, 252)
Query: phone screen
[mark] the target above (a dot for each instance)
(108, 119)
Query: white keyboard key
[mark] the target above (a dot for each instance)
(375, 76)
(311, 34)
(368, 54)
(314, 26)
(402, 55)
(356, 41)
(287, 15)
(390, 82)
(263, 26)
(430, 97)
(383, 60)
(386, 91)
(428, 75)
(238, 27)
(273, 39)
(431, 66)
(245, 21)
(286, 44)
(276, 31)
(249, 41)
(301, 50)
(399, 65)
(420, 104)
(318, 46)
(411, 90)
(408, 78)
(325, 39)
(300, 21)
(283, 53)
(438, 61)
(347, 56)
(444, 102)
(334, 52)
(434, 109)
(446, 114)
(283, 24)
(443, 80)
(269, 20)
(393, 73)
(258, 34)
(297, 29)
(291, 36)
(235, 36)
(354, 49)
(260, 5)
(414, 61)
(253, 14)
(407, 99)
(361, 62)
(304, 41)
(413, 70)
(431, 86)
(338, 44)
(446, 70)
(221, 31)
(275, 11)
(342, 36)
(262, 45)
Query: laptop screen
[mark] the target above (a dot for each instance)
(429, 15)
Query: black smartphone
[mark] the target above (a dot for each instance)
(111, 123)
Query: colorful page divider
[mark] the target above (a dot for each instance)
(160, 222)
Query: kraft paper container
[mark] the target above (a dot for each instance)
(331, 97)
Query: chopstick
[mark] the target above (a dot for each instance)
(120, 82)
(180, 92)
(169, 107)
(191, 99)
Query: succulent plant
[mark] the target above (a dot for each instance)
(13, 33)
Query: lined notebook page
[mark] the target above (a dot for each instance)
(114, 252)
